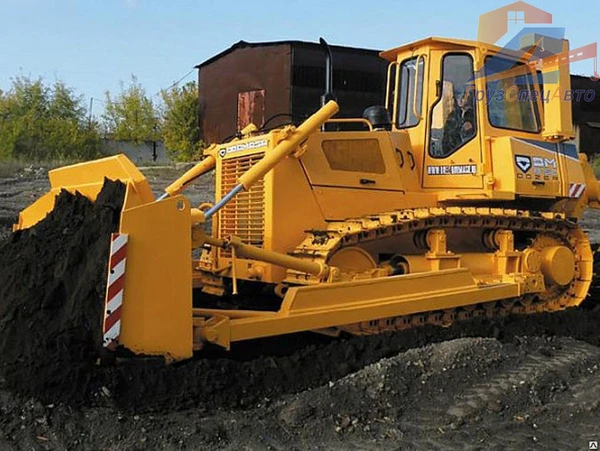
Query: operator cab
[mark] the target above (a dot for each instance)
(460, 102)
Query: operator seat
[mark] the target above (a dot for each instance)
(379, 117)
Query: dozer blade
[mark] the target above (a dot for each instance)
(87, 178)
(148, 305)
(151, 302)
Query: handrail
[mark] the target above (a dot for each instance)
(351, 120)
(388, 87)
(394, 88)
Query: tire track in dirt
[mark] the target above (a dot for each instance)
(526, 401)
(535, 370)
(407, 401)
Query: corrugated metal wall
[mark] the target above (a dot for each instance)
(358, 80)
(586, 115)
(254, 83)
(231, 85)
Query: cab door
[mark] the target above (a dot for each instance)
(452, 151)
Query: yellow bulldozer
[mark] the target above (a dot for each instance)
(450, 202)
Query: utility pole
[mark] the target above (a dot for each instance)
(154, 154)
(90, 114)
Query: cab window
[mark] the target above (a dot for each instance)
(410, 92)
(453, 117)
(511, 98)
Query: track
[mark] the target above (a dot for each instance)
(530, 229)
(593, 298)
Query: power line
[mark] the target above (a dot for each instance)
(93, 99)
(92, 107)
(178, 81)
(166, 89)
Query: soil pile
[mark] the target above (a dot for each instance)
(52, 280)
(475, 391)
(251, 373)
(469, 393)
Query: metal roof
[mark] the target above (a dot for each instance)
(244, 44)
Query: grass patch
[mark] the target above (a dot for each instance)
(595, 162)
(11, 168)
(14, 167)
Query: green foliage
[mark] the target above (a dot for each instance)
(180, 126)
(595, 162)
(40, 122)
(49, 122)
(131, 115)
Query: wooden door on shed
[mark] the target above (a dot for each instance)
(251, 108)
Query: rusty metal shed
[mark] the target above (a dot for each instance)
(586, 115)
(282, 82)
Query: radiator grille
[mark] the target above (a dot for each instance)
(244, 215)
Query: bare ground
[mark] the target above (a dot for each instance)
(522, 383)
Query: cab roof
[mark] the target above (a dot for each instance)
(392, 54)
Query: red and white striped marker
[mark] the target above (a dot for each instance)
(114, 289)
(576, 189)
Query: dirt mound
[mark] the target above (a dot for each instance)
(210, 384)
(51, 296)
(5, 228)
(455, 393)
(468, 393)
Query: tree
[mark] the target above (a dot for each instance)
(40, 122)
(131, 115)
(180, 125)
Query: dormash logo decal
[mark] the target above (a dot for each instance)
(523, 162)
(243, 146)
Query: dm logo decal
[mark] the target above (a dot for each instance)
(523, 162)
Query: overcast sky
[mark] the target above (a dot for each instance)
(93, 45)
